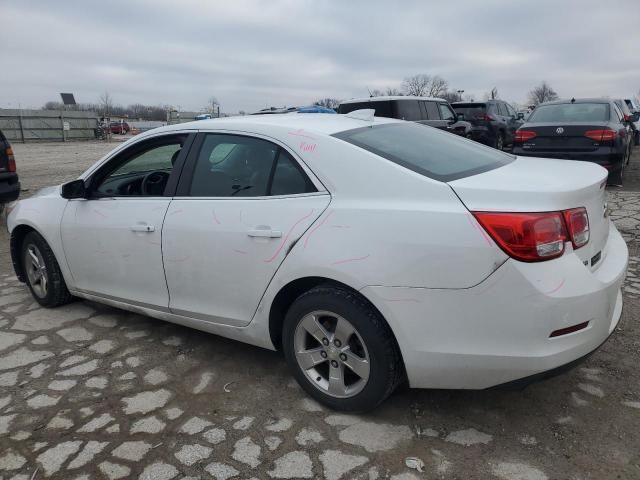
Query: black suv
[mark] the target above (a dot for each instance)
(9, 184)
(434, 112)
(494, 122)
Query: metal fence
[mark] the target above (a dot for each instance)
(48, 125)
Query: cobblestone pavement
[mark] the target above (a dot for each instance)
(88, 391)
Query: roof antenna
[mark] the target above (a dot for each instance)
(573, 100)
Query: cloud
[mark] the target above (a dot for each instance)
(251, 54)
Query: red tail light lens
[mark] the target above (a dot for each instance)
(524, 135)
(627, 118)
(605, 135)
(489, 118)
(11, 165)
(577, 222)
(528, 237)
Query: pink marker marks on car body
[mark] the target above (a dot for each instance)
(286, 237)
(307, 147)
(350, 260)
(175, 212)
(555, 289)
(313, 230)
(215, 217)
(241, 252)
(300, 133)
(99, 213)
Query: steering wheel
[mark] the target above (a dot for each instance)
(153, 183)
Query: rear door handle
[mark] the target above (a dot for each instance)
(142, 227)
(264, 233)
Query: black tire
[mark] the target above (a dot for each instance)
(615, 178)
(499, 142)
(56, 293)
(636, 138)
(386, 368)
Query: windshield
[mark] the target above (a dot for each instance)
(426, 150)
(571, 112)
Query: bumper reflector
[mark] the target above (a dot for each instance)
(568, 330)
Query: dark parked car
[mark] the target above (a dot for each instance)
(120, 127)
(9, 184)
(494, 122)
(631, 120)
(591, 129)
(434, 112)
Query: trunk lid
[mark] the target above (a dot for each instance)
(543, 185)
(559, 137)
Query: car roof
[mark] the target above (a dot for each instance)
(391, 97)
(577, 100)
(319, 123)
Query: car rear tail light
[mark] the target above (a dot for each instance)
(524, 135)
(577, 222)
(489, 118)
(627, 118)
(535, 237)
(604, 135)
(11, 160)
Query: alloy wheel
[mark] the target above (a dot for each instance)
(36, 270)
(331, 353)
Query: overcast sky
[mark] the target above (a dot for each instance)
(252, 54)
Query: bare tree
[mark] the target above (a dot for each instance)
(438, 87)
(327, 102)
(451, 96)
(422, 85)
(376, 93)
(417, 85)
(212, 104)
(393, 92)
(542, 93)
(106, 103)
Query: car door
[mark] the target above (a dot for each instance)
(449, 118)
(431, 114)
(242, 203)
(112, 240)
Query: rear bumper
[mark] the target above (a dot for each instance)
(499, 331)
(483, 134)
(9, 187)
(604, 156)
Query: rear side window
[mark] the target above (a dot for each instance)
(288, 177)
(409, 110)
(476, 110)
(571, 112)
(432, 110)
(428, 151)
(383, 108)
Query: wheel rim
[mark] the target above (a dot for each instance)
(36, 270)
(331, 353)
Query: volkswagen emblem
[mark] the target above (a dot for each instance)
(559, 130)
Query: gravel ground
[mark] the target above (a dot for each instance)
(88, 391)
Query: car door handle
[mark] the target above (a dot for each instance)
(264, 233)
(142, 227)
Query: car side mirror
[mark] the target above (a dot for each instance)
(74, 189)
(520, 116)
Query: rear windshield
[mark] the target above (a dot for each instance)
(426, 150)
(471, 110)
(383, 108)
(571, 112)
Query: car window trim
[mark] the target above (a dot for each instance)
(116, 160)
(191, 160)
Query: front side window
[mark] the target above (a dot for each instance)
(141, 170)
(446, 112)
(239, 166)
(428, 151)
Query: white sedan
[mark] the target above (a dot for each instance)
(370, 251)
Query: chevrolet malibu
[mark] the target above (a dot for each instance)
(371, 251)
